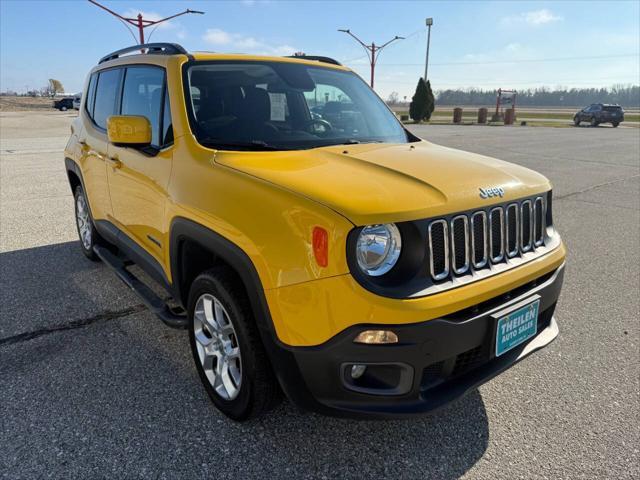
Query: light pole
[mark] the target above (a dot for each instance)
(426, 63)
(140, 22)
(373, 50)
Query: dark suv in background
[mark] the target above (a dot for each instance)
(63, 104)
(598, 113)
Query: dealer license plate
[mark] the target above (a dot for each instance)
(516, 327)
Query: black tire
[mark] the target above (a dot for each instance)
(576, 121)
(593, 122)
(63, 109)
(94, 236)
(258, 391)
(615, 124)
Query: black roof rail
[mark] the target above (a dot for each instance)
(161, 48)
(316, 58)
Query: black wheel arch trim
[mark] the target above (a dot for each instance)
(283, 361)
(282, 358)
(72, 167)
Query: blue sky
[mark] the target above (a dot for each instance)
(473, 43)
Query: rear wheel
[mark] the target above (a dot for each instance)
(63, 109)
(615, 124)
(226, 347)
(89, 237)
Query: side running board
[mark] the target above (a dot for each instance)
(148, 296)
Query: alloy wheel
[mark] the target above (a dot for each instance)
(217, 346)
(84, 221)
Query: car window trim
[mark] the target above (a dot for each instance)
(118, 89)
(162, 146)
(90, 99)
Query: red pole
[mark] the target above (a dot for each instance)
(373, 62)
(140, 28)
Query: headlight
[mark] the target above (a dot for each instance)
(378, 248)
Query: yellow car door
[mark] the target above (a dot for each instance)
(139, 177)
(100, 104)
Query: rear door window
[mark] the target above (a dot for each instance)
(106, 96)
(91, 90)
(142, 94)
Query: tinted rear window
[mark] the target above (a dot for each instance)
(106, 94)
(90, 94)
(612, 109)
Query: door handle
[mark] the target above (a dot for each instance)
(114, 162)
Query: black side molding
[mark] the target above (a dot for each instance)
(148, 296)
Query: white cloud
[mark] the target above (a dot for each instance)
(239, 42)
(534, 18)
(215, 36)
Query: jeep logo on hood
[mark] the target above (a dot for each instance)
(491, 192)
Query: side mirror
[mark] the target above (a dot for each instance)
(129, 130)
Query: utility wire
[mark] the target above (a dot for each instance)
(135, 40)
(528, 82)
(389, 47)
(537, 60)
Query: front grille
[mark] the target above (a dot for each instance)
(496, 237)
(512, 230)
(460, 244)
(439, 248)
(469, 360)
(478, 240)
(538, 221)
(526, 220)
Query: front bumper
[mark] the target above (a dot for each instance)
(440, 359)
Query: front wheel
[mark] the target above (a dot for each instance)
(593, 122)
(63, 109)
(89, 237)
(226, 347)
(576, 121)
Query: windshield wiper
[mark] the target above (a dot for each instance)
(255, 145)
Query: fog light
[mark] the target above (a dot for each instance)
(376, 337)
(357, 371)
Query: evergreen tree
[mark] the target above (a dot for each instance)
(422, 102)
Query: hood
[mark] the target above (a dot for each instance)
(379, 183)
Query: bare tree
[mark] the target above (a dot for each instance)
(393, 99)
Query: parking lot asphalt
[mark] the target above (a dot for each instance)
(93, 386)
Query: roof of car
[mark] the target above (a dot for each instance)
(134, 53)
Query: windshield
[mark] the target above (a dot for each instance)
(284, 106)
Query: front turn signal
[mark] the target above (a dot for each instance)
(320, 241)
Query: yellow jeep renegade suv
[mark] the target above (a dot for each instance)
(310, 244)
